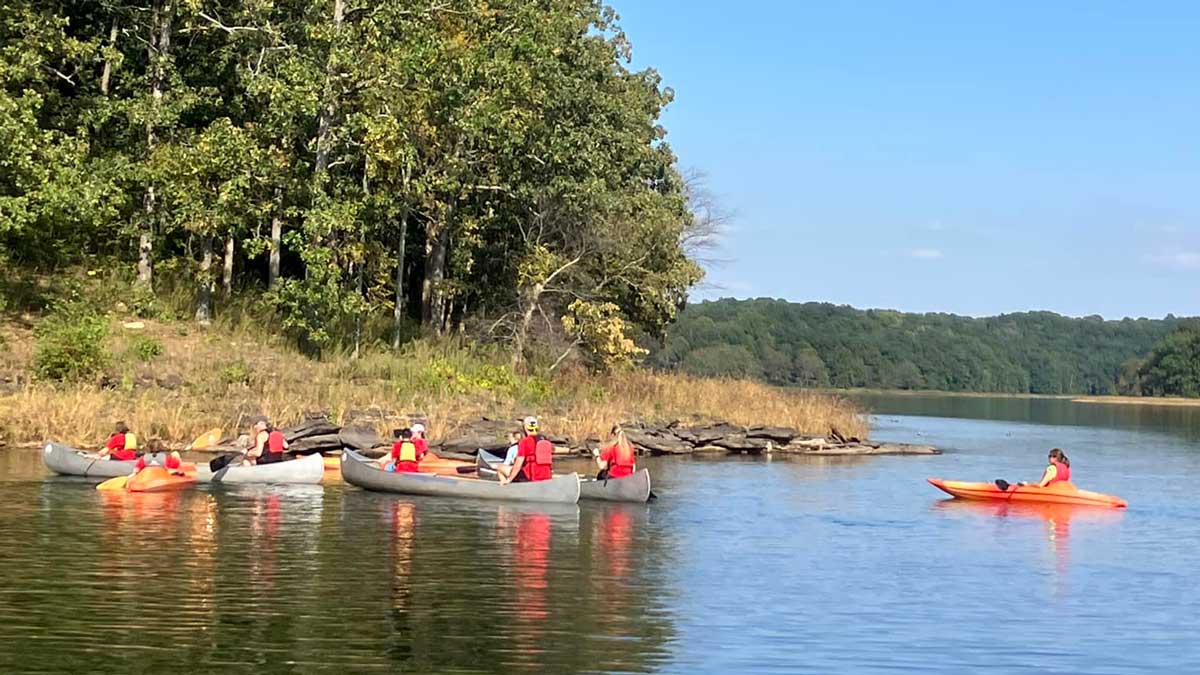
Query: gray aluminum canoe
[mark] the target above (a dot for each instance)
(360, 471)
(68, 461)
(635, 488)
(307, 470)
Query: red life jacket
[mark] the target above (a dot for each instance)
(1062, 473)
(274, 443)
(623, 462)
(538, 464)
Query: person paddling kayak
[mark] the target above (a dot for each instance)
(1059, 470)
(405, 456)
(122, 445)
(172, 462)
(535, 457)
(618, 459)
(269, 445)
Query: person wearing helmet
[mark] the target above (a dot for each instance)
(535, 456)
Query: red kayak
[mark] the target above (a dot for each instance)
(1056, 493)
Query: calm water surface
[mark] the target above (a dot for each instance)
(746, 565)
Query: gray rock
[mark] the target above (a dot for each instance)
(322, 443)
(308, 428)
(741, 443)
(780, 435)
(360, 437)
(658, 444)
(711, 433)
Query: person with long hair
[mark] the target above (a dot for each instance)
(618, 459)
(1059, 470)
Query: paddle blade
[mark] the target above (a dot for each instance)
(207, 439)
(117, 483)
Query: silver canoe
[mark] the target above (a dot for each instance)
(307, 470)
(635, 488)
(68, 461)
(360, 471)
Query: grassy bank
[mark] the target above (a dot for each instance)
(173, 380)
(1139, 400)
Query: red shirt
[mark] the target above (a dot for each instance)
(619, 466)
(527, 448)
(422, 446)
(116, 447)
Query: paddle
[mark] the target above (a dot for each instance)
(206, 439)
(117, 483)
(220, 473)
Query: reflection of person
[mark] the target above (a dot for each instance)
(1059, 470)
(618, 458)
(122, 445)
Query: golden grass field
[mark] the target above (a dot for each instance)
(231, 375)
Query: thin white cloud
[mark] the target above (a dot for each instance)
(925, 253)
(1185, 260)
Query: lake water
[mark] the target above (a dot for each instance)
(851, 565)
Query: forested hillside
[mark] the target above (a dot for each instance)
(823, 345)
(364, 169)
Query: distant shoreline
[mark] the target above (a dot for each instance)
(1075, 398)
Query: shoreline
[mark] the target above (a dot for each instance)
(1174, 401)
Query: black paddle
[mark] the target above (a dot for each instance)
(220, 473)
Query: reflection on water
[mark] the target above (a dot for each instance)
(750, 565)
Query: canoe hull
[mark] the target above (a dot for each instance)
(1056, 493)
(307, 470)
(635, 488)
(360, 471)
(67, 461)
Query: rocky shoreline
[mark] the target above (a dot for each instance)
(318, 434)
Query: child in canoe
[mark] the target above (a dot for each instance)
(122, 444)
(405, 456)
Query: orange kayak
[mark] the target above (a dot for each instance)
(1055, 493)
(333, 463)
(158, 479)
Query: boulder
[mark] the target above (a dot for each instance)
(742, 443)
(360, 437)
(321, 443)
(708, 434)
(780, 435)
(309, 427)
(658, 444)
(466, 446)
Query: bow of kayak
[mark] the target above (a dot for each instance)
(1055, 493)
(158, 479)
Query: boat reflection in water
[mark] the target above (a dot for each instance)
(1056, 520)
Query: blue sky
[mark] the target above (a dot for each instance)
(967, 157)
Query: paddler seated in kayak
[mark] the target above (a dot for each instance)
(154, 456)
(535, 457)
(1059, 470)
(418, 439)
(269, 445)
(122, 445)
(405, 456)
(618, 459)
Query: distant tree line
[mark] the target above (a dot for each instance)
(823, 345)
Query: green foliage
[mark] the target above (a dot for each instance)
(146, 349)
(70, 344)
(1172, 367)
(601, 332)
(236, 373)
(819, 345)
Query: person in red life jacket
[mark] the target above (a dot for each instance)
(618, 459)
(122, 445)
(405, 456)
(269, 445)
(154, 456)
(1059, 470)
(535, 457)
(418, 439)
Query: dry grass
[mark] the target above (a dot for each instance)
(234, 374)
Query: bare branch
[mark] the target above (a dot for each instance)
(69, 79)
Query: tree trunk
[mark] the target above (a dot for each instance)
(433, 297)
(398, 316)
(106, 76)
(157, 49)
(276, 240)
(530, 303)
(204, 287)
(329, 108)
(227, 277)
